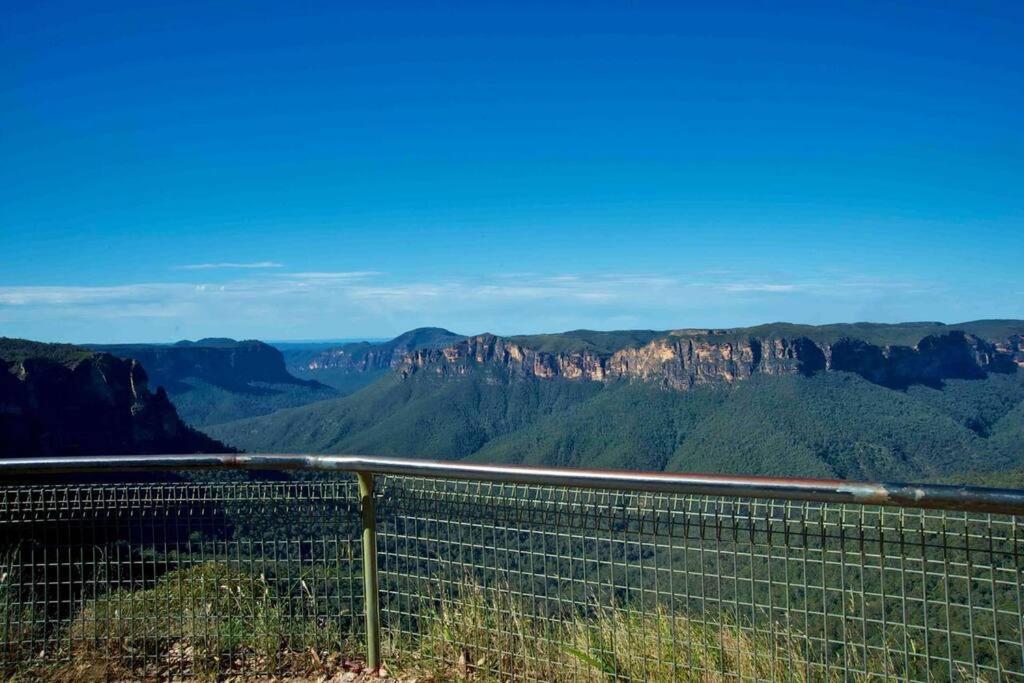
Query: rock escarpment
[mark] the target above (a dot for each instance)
(63, 400)
(955, 355)
(686, 359)
(219, 380)
(355, 358)
(222, 362)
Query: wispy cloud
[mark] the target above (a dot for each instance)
(228, 265)
(85, 296)
(334, 275)
(285, 303)
(759, 287)
(372, 286)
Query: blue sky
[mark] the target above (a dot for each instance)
(181, 170)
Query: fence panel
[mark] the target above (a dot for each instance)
(177, 579)
(543, 583)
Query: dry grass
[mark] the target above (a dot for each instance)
(213, 622)
(203, 622)
(472, 633)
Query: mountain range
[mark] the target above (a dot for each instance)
(909, 401)
(913, 401)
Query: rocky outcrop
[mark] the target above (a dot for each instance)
(1012, 348)
(687, 359)
(56, 402)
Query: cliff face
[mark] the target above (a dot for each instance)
(685, 360)
(219, 380)
(365, 357)
(356, 358)
(91, 403)
(223, 362)
(951, 356)
(1012, 348)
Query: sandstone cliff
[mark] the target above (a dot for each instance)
(688, 358)
(63, 400)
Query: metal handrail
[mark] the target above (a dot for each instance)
(932, 496)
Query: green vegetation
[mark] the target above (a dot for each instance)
(904, 334)
(210, 621)
(213, 617)
(473, 633)
(343, 380)
(423, 417)
(829, 425)
(881, 334)
(1009, 479)
(20, 625)
(218, 380)
(202, 403)
(202, 622)
(57, 399)
(19, 350)
(422, 338)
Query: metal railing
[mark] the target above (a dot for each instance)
(500, 573)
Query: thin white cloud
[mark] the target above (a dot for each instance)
(368, 286)
(279, 303)
(83, 296)
(760, 287)
(255, 265)
(334, 275)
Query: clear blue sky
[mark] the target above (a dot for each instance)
(306, 170)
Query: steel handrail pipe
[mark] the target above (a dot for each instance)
(930, 496)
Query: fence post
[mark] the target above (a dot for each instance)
(371, 594)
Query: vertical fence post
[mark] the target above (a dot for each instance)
(371, 593)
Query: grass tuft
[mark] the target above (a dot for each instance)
(202, 620)
(213, 621)
(474, 633)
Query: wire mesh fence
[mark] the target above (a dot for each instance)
(548, 583)
(501, 581)
(177, 579)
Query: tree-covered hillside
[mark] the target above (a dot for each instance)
(423, 417)
(882, 334)
(218, 380)
(20, 350)
(829, 425)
